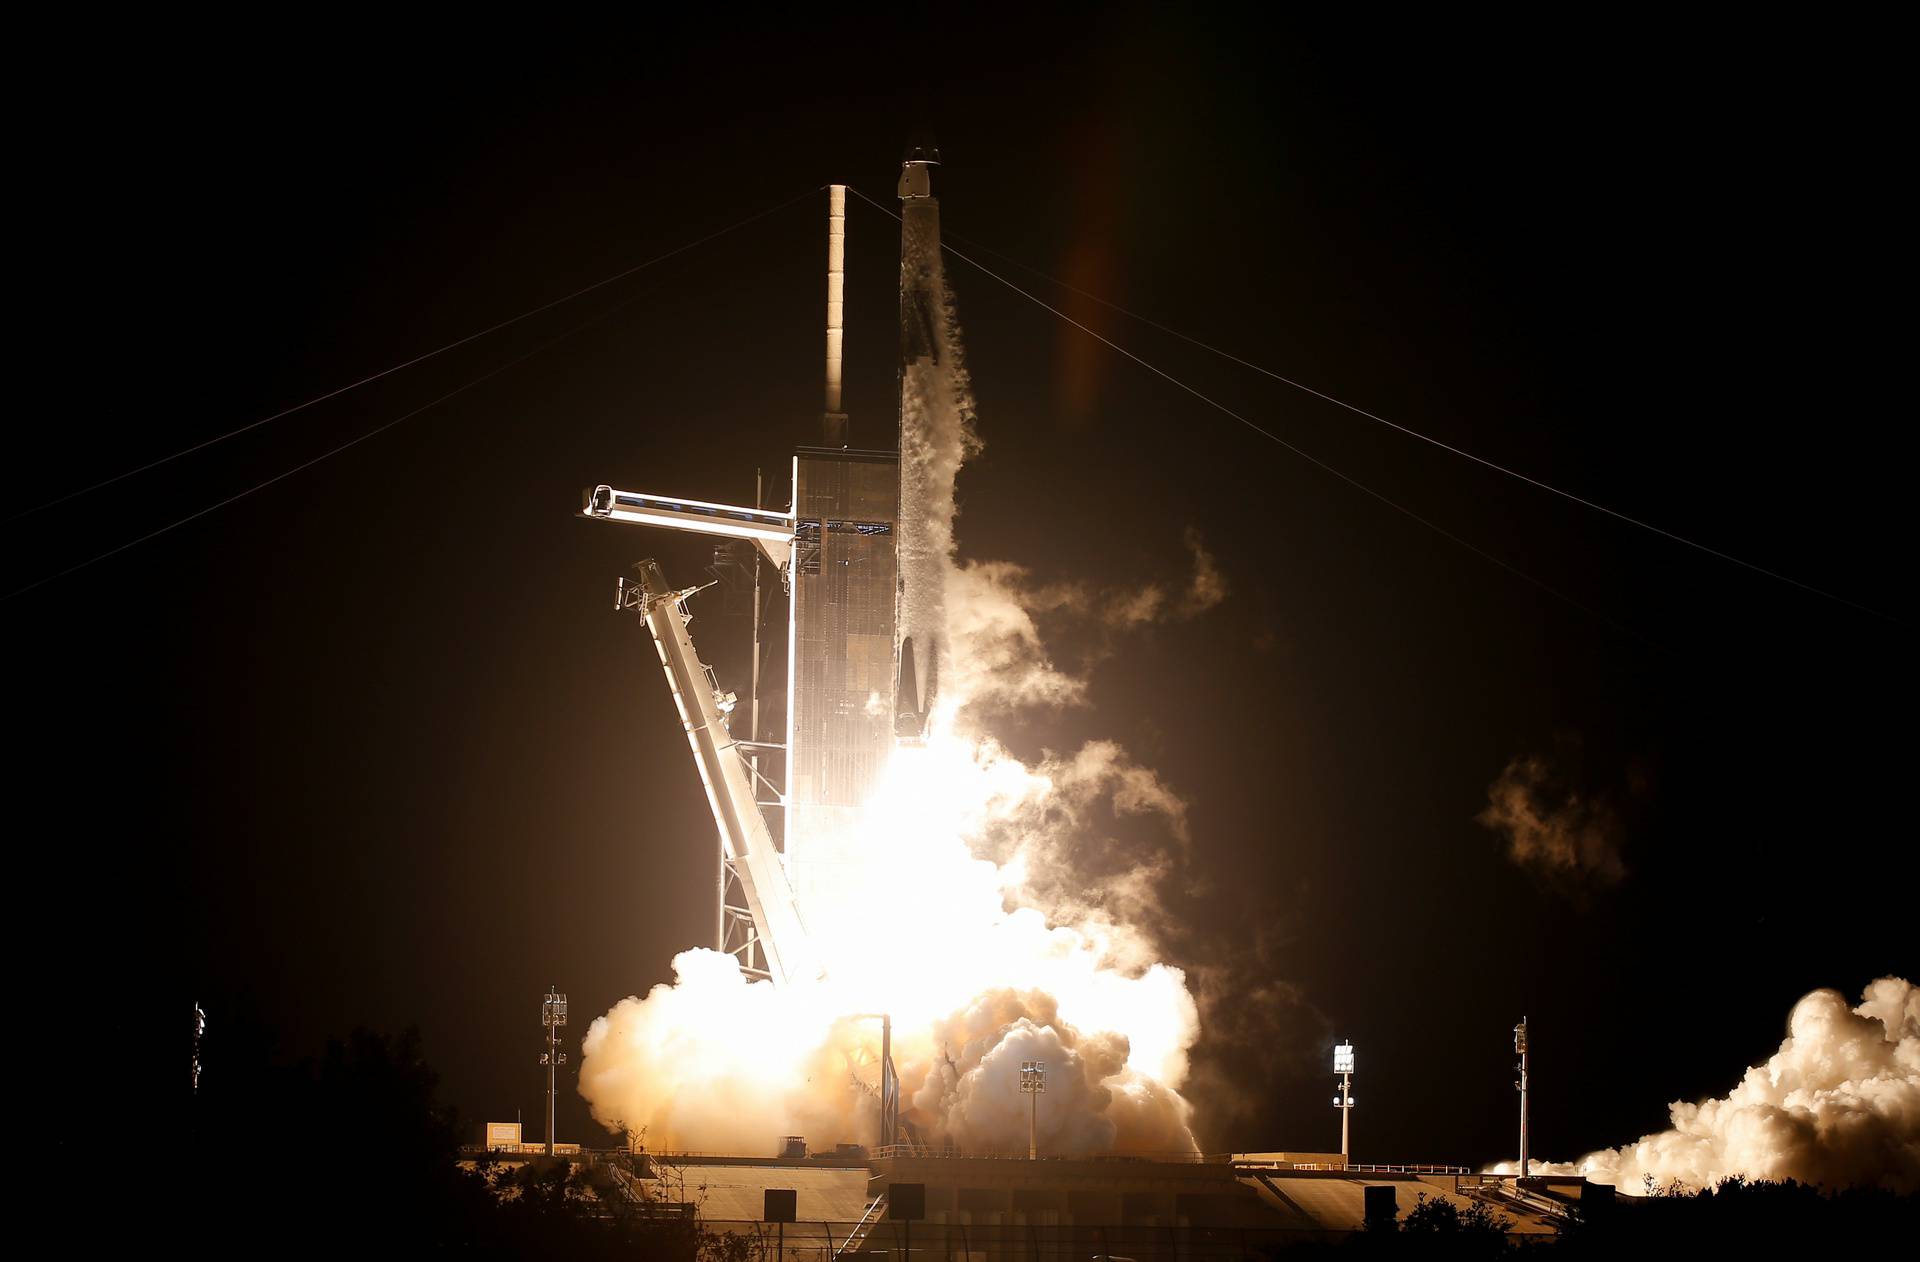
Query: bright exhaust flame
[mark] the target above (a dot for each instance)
(975, 976)
(923, 930)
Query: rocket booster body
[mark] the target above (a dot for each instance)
(928, 454)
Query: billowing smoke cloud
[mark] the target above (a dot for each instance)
(952, 916)
(715, 1063)
(1552, 829)
(1264, 1040)
(1093, 814)
(1838, 1105)
(1208, 586)
(1096, 1103)
(1001, 660)
(996, 608)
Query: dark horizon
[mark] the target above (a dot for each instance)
(370, 747)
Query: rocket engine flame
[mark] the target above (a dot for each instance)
(976, 970)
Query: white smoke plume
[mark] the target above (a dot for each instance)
(1838, 1105)
(1552, 830)
(1208, 586)
(994, 609)
(1001, 660)
(1095, 813)
(952, 916)
(1105, 1106)
(928, 932)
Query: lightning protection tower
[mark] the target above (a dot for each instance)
(553, 1015)
(1520, 1085)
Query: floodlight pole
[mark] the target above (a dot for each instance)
(1520, 1046)
(1343, 1065)
(1346, 1117)
(553, 1015)
(1033, 1080)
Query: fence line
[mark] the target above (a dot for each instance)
(1012, 1242)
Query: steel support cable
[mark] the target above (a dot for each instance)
(417, 359)
(308, 464)
(1425, 438)
(1273, 437)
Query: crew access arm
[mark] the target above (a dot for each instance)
(769, 531)
(728, 781)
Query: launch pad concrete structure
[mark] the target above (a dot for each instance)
(904, 1202)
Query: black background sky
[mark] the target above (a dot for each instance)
(370, 746)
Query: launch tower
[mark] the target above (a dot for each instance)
(860, 553)
(842, 587)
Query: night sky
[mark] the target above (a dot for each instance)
(371, 746)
